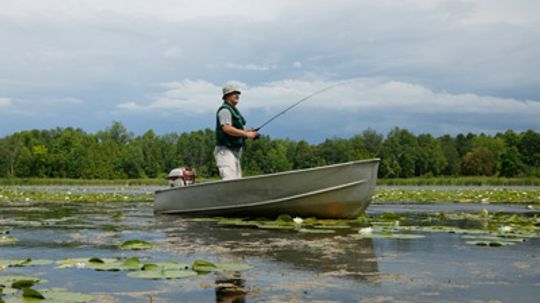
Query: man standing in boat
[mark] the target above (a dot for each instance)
(230, 135)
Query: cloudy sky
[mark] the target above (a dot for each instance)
(430, 66)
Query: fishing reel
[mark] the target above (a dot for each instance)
(258, 135)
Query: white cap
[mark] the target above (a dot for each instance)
(230, 88)
(177, 172)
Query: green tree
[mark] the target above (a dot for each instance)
(430, 158)
(529, 148)
(451, 154)
(400, 151)
(511, 165)
(478, 162)
(372, 141)
(150, 146)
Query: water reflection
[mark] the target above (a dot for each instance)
(230, 288)
(334, 255)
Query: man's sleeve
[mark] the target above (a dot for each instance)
(225, 117)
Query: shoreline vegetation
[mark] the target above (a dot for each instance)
(116, 153)
(530, 197)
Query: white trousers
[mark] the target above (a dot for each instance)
(228, 162)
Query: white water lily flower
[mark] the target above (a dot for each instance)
(485, 200)
(528, 206)
(396, 223)
(298, 220)
(69, 193)
(484, 212)
(505, 228)
(27, 200)
(365, 230)
(80, 265)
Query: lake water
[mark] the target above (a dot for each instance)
(287, 266)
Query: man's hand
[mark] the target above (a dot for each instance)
(251, 134)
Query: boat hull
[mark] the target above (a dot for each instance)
(334, 191)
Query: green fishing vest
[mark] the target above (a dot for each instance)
(238, 121)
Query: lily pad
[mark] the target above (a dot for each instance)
(7, 280)
(131, 263)
(316, 231)
(56, 295)
(173, 265)
(490, 243)
(336, 226)
(388, 236)
(201, 266)
(32, 294)
(7, 239)
(233, 266)
(285, 218)
(10, 280)
(99, 264)
(19, 284)
(157, 274)
(136, 245)
(273, 225)
(23, 262)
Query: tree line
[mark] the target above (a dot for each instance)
(116, 153)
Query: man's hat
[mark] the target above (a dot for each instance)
(228, 89)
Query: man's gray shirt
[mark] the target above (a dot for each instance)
(225, 117)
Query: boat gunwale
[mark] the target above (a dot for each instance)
(272, 201)
(210, 183)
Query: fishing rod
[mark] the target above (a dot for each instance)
(296, 104)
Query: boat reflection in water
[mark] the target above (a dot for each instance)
(273, 253)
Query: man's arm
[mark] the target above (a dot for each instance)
(225, 120)
(233, 131)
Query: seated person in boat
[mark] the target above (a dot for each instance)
(230, 135)
(183, 176)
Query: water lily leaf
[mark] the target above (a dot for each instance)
(237, 222)
(56, 295)
(32, 293)
(162, 274)
(7, 280)
(131, 263)
(388, 236)
(390, 216)
(336, 226)
(202, 266)
(490, 243)
(149, 266)
(23, 262)
(173, 265)
(136, 245)
(493, 238)
(316, 231)
(203, 219)
(7, 239)
(19, 284)
(274, 225)
(38, 262)
(96, 260)
(92, 263)
(284, 218)
(233, 266)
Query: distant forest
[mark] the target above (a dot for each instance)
(116, 153)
